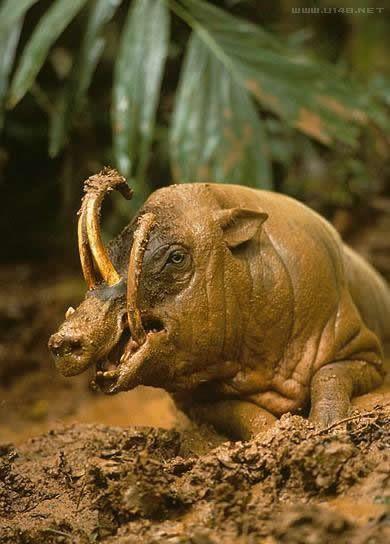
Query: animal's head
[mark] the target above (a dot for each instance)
(166, 309)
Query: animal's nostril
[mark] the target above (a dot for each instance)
(61, 346)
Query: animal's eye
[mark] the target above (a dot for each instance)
(176, 257)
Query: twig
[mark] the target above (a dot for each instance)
(61, 533)
(351, 418)
(80, 494)
(345, 420)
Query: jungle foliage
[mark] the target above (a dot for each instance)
(195, 87)
(233, 74)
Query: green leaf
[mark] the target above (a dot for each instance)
(375, 101)
(13, 11)
(137, 82)
(51, 25)
(73, 95)
(216, 132)
(8, 44)
(309, 95)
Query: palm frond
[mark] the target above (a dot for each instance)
(11, 12)
(73, 95)
(216, 132)
(137, 81)
(8, 43)
(236, 79)
(51, 25)
(309, 95)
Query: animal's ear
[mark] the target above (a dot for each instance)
(239, 224)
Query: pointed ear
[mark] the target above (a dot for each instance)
(239, 224)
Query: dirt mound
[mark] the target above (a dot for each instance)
(89, 483)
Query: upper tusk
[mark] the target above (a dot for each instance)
(102, 260)
(91, 247)
(85, 253)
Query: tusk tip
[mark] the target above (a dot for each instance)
(70, 311)
(107, 180)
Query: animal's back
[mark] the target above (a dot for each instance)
(370, 293)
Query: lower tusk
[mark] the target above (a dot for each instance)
(141, 237)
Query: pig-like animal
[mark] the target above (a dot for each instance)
(244, 304)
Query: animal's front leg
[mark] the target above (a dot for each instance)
(235, 418)
(334, 385)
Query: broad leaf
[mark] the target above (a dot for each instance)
(216, 132)
(51, 25)
(8, 44)
(137, 82)
(13, 11)
(310, 95)
(73, 95)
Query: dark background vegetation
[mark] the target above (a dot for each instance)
(40, 194)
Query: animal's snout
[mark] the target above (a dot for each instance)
(87, 334)
(62, 345)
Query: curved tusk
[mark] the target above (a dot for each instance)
(95, 189)
(85, 254)
(102, 260)
(141, 238)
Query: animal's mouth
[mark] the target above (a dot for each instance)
(108, 368)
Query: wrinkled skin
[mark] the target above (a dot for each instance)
(90, 331)
(252, 307)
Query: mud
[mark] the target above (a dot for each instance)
(91, 483)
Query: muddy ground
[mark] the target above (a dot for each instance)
(64, 477)
(293, 484)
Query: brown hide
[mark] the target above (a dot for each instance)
(369, 292)
(261, 297)
(302, 314)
